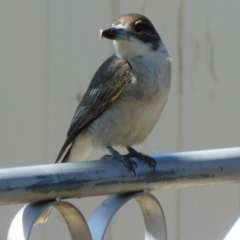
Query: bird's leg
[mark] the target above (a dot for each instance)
(130, 164)
(147, 159)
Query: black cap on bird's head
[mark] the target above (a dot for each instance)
(136, 26)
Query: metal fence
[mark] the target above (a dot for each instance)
(46, 186)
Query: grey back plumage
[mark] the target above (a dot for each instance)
(106, 85)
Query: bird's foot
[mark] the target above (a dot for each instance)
(130, 164)
(106, 157)
(147, 159)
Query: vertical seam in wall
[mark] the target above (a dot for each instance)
(180, 70)
(143, 12)
(144, 7)
(47, 9)
(180, 105)
(115, 12)
(46, 93)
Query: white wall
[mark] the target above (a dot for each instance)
(49, 50)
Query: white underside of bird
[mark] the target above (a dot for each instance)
(137, 109)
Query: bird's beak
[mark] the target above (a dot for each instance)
(114, 33)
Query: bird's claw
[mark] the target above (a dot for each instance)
(130, 164)
(106, 157)
(147, 159)
(150, 161)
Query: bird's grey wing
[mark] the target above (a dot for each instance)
(106, 85)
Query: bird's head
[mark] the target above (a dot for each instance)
(133, 35)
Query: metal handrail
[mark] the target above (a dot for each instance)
(54, 182)
(104, 177)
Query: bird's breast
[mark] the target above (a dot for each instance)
(132, 116)
(150, 78)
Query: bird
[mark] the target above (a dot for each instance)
(125, 97)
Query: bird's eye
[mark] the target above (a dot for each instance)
(138, 27)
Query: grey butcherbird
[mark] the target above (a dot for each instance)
(126, 95)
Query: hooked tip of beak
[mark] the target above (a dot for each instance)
(110, 33)
(100, 36)
(113, 33)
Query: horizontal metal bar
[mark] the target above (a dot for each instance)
(92, 178)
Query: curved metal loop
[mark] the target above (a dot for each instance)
(155, 224)
(25, 219)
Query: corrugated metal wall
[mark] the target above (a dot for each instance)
(49, 50)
